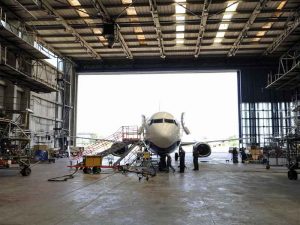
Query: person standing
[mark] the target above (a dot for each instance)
(195, 159)
(169, 163)
(181, 160)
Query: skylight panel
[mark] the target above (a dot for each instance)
(131, 11)
(180, 35)
(83, 13)
(138, 30)
(126, 1)
(261, 33)
(180, 18)
(267, 25)
(179, 41)
(220, 34)
(179, 9)
(96, 31)
(227, 16)
(223, 26)
(281, 5)
(179, 28)
(141, 37)
(74, 2)
(218, 40)
(256, 39)
(231, 6)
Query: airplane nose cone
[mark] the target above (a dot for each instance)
(164, 137)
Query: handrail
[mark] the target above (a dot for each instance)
(123, 134)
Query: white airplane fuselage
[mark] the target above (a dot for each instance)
(162, 133)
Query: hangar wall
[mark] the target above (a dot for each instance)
(47, 117)
(264, 113)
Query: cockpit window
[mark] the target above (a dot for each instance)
(170, 121)
(156, 121)
(163, 121)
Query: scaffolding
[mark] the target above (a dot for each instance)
(287, 76)
(20, 62)
(14, 146)
(24, 69)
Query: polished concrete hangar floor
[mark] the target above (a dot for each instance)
(219, 193)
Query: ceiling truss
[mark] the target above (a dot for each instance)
(154, 13)
(246, 28)
(291, 26)
(204, 17)
(45, 4)
(106, 17)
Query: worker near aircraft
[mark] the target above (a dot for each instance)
(181, 160)
(195, 159)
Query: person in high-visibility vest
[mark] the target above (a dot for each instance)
(146, 155)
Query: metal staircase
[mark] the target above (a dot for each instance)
(130, 155)
(125, 135)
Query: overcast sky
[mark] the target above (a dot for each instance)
(209, 100)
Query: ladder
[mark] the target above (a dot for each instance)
(130, 153)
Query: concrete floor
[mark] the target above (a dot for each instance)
(217, 194)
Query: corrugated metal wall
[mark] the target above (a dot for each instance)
(252, 87)
(264, 113)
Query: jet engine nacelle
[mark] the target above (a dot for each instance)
(203, 149)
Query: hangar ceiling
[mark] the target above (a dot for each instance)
(153, 29)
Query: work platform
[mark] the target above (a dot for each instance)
(21, 62)
(13, 41)
(19, 78)
(288, 74)
(287, 81)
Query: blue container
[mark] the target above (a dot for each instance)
(41, 155)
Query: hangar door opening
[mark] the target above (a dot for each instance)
(209, 100)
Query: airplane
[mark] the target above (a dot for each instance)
(162, 136)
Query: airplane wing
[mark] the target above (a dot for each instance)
(186, 143)
(203, 148)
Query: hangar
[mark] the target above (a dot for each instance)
(45, 44)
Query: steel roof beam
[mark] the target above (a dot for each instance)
(70, 29)
(106, 17)
(291, 26)
(192, 38)
(149, 23)
(247, 26)
(155, 17)
(204, 17)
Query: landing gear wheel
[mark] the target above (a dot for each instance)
(87, 170)
(96, 170)
(26, 171)
(292, 175)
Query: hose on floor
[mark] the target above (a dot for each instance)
(64, 177)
